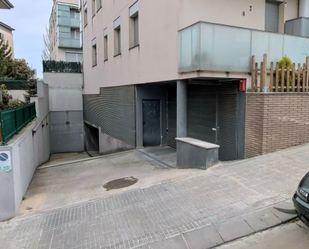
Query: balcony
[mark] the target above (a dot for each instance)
(214, 47)
(68, 43)
(68, 21)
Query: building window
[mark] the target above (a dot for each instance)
(94, 52)
(93, 8)
(99, 4)
(1, 36)
(134, 25)
(117, 36)
(85, 15)
(73, 13)
(105, 45)
(74, 34)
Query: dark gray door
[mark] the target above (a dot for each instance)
(151, 123)
(271, 17)
(202, 116)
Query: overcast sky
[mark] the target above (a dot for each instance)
(29, 19)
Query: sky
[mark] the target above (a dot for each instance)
(29, 19)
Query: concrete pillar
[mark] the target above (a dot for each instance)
(181, 109)
(304, 8)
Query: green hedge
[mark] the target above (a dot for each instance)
(62, 67)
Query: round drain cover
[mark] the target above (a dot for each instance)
(120, 183)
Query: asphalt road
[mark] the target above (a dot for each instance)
(287, 236)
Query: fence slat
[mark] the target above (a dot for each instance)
(282, 77)
(293, 77)
(264, 71)
(298, 77)
(288, 77)
(256, 77)
(253, 68)
(304, 77)
(277, 76)
(271, 84)
(262, 77)
(307, 73)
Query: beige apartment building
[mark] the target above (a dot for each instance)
(65, 32)
(159, 70)
(6, 4)
(6, 34)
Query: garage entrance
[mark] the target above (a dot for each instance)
(215, 113)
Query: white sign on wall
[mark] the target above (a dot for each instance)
(5, 161)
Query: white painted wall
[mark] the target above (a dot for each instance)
(29, 149)
(17, 94)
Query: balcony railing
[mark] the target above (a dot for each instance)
(68, 21)
(69, 43)
(214, 47)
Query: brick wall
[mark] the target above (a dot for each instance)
(275, 121)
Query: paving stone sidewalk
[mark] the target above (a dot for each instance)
(171, 211)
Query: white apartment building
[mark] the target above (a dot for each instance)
(156, 70)
(65, 32)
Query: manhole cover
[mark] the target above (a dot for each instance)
(120, 183)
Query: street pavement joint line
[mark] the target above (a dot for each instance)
(159, 161)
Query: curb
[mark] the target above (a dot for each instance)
(81, 160)
(214, 235)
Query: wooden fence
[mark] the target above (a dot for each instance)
(279, 78)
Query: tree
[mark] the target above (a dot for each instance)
(47, 46)
(19, 69)
(5, 58)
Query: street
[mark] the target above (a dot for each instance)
(290, 235)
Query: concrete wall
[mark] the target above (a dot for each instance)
(66, 111)
(17, 94)
(275, 121)
(151, 92)
(155, 59)
(28, 149)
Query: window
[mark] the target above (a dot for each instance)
(99, 4)
(1, 36)
(93, 8)
(134, 25)
(85, 15)
(117, 37)
(94, 52)
(74, 34)
(105, 45)
(73, 13)
(74, 57)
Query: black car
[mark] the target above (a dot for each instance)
(301, 199)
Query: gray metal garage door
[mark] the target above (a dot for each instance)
(271, 16)
(172, 116)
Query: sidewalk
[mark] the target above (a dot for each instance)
(216, 201)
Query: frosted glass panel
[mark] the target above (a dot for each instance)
(296, 48)
(267, 43)
(229, 48)
(189, 50)
(206, 46)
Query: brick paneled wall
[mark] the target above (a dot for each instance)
(275, 121)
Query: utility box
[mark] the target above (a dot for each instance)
(298, 26)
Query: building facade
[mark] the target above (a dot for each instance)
(6, 4)
(6, 34)
(159, 70)
(65, 32)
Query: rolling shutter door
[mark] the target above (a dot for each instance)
(172, 116)
(227, 127)
(271, 17)
(201, 117)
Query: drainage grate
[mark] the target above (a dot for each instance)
(120, 183)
